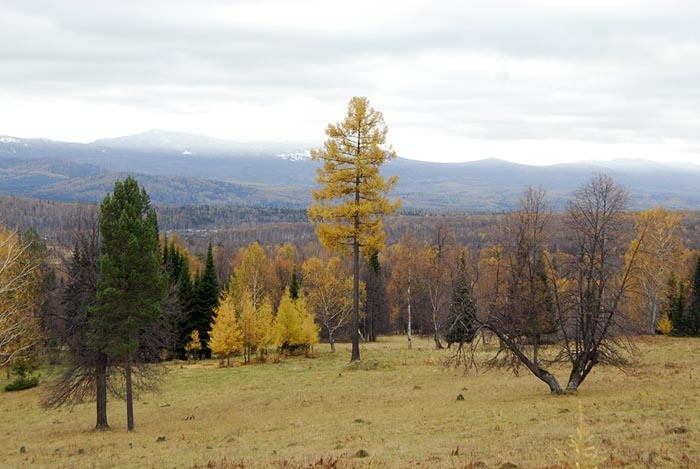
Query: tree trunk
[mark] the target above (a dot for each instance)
(436, 334)
(129, 397)
(356, 299)
(574, 381)
(408, 328)
(551, 380)
(101, 391)
(331, 340)
(576, 377)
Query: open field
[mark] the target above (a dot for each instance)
(399, 406)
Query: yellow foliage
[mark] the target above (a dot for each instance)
(294, 325)
(664, 326)
(350, 202)
(657, 253)
(256, 325)
(225, 336)
(20, 296)
(253, 275)
(582, 454)
(329, 291)
(194, 345)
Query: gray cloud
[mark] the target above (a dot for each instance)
(605, 72)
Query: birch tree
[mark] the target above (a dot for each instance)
(660, 258)
(19, 297)
(329, 294)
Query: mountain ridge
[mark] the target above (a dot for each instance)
(188, 168)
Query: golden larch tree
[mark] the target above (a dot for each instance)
(256, 326)
(294, 327)
(225, 335)
(351, 200)
(194, 346)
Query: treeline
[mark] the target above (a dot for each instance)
(237, 226)
(436, 275)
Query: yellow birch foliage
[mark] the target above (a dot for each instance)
(658, 247)
(328, 292)
(225, 336)
(253, 275)
(20, 295)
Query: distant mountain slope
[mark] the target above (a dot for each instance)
(182, 168)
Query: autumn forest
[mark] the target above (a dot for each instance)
(107, 296)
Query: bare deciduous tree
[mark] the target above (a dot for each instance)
(573, 298)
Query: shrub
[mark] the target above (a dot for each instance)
(21, 383)
(22, 369)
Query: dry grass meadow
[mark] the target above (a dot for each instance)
(399, 409)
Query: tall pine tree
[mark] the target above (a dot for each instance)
(206, 299)
(693, 319)
(460, 326)
(376, 320)
(131, 284)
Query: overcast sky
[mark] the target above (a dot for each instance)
(528, 81)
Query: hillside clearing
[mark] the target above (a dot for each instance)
(399, 406)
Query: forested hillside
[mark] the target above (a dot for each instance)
(188, 169)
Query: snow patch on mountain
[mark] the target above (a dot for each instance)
(302, 155)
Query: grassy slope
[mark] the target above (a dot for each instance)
(400, 407)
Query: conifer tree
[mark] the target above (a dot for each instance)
(206, 299)
(88, 371)
(193, 345)
(693, 319)
(185, 294)
(256, 326)
(376, 320)
(460, 326)
(676, 304)
(349, 206)
(225, 336)
(263, 328)
(294, 286)
(294, 326)
(131, 282)
(288, 326)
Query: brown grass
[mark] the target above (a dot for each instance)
(399, 407)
